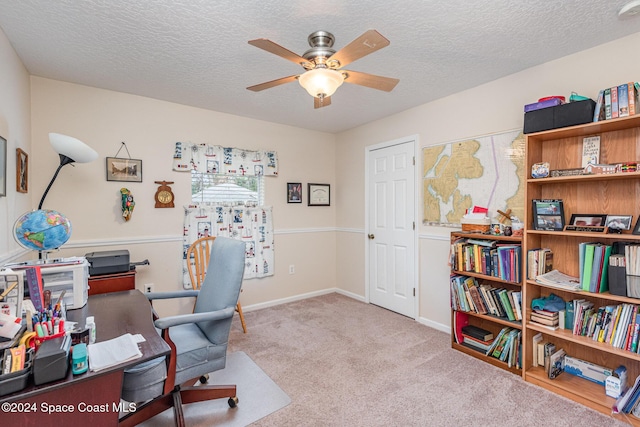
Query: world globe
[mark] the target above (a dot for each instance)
(42, 230)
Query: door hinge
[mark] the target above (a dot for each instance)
(414, 292)
(414, 225)
(414, 160)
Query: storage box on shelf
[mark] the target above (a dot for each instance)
(613, 194)
(478, 311)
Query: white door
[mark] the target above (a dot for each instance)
(391, 226)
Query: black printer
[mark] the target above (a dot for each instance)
(108, 262)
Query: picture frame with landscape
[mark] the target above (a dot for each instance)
(120, 169)
(548, 214)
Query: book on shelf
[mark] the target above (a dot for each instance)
(623, 100)
(632, 92)
(614, 102)
(556, 363)
(477, 332)
(537, 338)
(476, 343)
(607, 103)
(557, 279)
(548, 349)
(598, 111)
(623, 402)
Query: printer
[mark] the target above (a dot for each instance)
(108, 262)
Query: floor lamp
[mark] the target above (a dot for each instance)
(71, 150)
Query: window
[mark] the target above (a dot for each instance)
(218, 188)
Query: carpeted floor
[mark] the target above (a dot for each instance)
(346, 363)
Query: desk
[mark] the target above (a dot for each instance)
(112, 282)
(93, 396)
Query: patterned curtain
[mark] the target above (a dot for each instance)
(252, 225)
(224, 160)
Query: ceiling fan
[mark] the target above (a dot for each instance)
(323, 65)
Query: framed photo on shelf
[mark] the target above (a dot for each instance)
(294, 192)
(120, 169)
(619, 222)
(588, 220)
(318, 194)
(636, 228)
(22, 171)
(548, 214)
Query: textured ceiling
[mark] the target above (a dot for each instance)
(195, 52)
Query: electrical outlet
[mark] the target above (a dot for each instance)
(292, 269)
(148, 288)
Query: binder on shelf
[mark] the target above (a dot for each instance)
(617, 280)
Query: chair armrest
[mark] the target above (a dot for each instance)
(167, 322)
(172, 294)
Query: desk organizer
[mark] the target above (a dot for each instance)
(16, 381)
(40, 340)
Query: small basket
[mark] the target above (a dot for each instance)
(475, 228)
(476, 225)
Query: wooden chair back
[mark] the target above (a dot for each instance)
(197, 260)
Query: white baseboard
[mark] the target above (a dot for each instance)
(273, 303)
(434, 325)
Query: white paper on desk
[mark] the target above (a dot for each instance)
(9, 325)
(109, 353)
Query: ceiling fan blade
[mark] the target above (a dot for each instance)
(369, 80)
(276, 49)
(318, 102)
(367, 43)
(272, 83)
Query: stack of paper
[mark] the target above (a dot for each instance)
(109, 353)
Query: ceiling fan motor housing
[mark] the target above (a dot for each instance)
(321, 43)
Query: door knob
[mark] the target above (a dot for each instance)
(371, 236)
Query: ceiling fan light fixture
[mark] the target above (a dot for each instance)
(321, 81)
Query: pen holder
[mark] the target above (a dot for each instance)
(40, 340)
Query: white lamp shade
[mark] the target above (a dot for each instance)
(72, 148)
(321, 81)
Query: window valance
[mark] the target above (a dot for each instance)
(224, 160)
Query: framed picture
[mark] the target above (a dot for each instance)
(618, 222)
(3, 166)
(294, 192)
(22, 171)
(588, 220)
(119, 169)
(548, 214)
(319, 194)
(636, 229)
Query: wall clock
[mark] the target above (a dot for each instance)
(164, 195)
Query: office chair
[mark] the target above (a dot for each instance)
(199, 251)
(198, 342)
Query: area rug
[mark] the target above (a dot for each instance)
(258, 397)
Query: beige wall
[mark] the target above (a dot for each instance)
(15, 128)
(494, 107)
(304, 236)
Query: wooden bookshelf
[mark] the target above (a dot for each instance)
(490, 322)
(614, 194)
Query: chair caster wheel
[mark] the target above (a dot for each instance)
(204, 379)
(233, 402)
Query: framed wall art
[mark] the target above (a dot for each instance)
(22, 171)
(3, 167)
(120, 169)
(294, 192)
(319, 194)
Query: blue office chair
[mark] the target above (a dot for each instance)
(198, 342)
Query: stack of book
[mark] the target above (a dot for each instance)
(507, 346)
(548, 319)
(468, 296)
(487, 257)
(617, 101)
(539, 261)
(477, 338)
